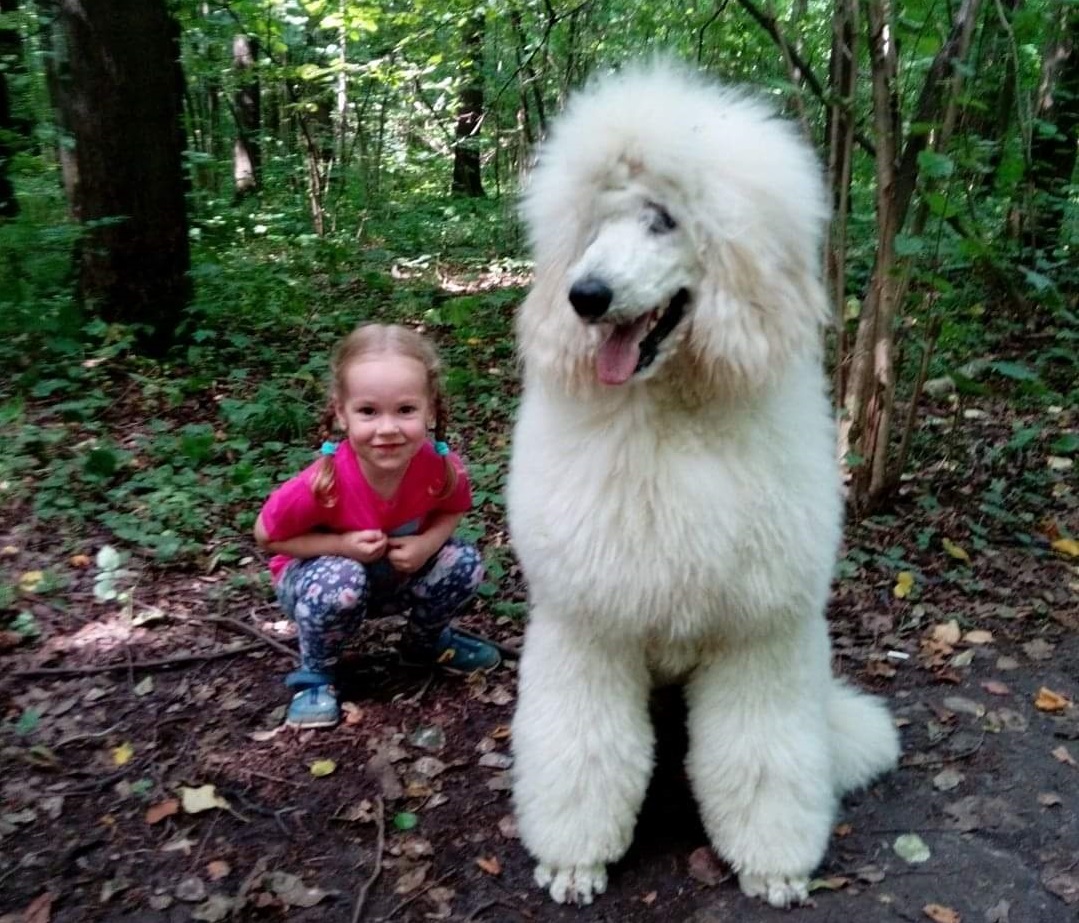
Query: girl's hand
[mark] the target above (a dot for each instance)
(408, 553)
(364, 545)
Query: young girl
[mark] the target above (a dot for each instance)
(370, 524)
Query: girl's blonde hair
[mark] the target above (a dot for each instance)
(364, 342)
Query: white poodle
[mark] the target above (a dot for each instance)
(674, 497)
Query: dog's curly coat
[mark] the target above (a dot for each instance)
(674, 497)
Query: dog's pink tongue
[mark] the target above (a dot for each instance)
(618, 356)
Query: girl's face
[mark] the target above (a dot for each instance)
(385, 409)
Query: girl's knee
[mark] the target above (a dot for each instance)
(462, 566)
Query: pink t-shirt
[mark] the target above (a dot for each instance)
(293, 510)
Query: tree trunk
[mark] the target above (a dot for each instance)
(467, 179)
(1053, 145)
(840, 138)
(124, 99)
(10, 50)
(865, 434)
(247, 152)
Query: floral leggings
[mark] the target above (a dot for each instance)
(329, 597)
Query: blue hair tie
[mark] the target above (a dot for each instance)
(442, 448)
(328, 448)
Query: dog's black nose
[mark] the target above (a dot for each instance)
(591, 297)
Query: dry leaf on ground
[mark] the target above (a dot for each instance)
(490, 865)
(938, 913)
(1048, 700)
(158, 812)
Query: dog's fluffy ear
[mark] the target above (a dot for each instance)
(753, 317)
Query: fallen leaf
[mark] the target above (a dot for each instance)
(218, 869)
(941, 914)
(217, 907)
(507, 826)
(947, 779)
(502, 732)
(80, 560)
(904, 583)
(946, 632)
(955, 551)
(30, 580)
(158, 812)
(911, 848)
(964, 706)
(996, 687)
(292, 890)
(490, 865)
(263, 736)
(831, 883)
(1062, 754)
(412, 879)
(203, 798)
(705, 867)
(1049, 799)
(1068, 546)
(999, 912)
(870, 874)
(144, 687)
(353, 713)
(39, 910)
(1038, 649)
(1048, 700)
(122, 754)
(192, 890)
(978, 636)
(1061, 877)
(321, 768)
(1007, 663)
(649, 898)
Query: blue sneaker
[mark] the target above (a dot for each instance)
(463, 654)
(315, 705)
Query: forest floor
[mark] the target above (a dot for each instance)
(147, 777)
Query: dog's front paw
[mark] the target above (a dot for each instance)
(777, 890)
(572, 884)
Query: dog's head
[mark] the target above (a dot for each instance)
(677, 229)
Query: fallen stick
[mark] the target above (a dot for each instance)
(161, 664)
(361, 896)
(251, 630)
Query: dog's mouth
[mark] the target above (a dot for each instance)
(631, 348)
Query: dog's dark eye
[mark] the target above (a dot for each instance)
(661, 220)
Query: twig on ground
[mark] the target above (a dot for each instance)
(250, 630)
(414, 699)
(160, 664)
(380, 846)
(414, 897)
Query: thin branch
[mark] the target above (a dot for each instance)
(770, 25)
(250, 630)
(161, 664)
(380, 847)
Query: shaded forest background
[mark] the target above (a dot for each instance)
(197, 199)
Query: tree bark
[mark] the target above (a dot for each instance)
(1053, 145)
(247, 106)
(467, 178)
(124, 99)
(10, 49)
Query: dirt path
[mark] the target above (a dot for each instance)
(94, 765)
